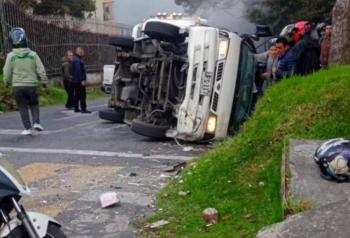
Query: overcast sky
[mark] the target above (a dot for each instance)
(131, 12)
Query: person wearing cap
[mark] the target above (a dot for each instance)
(23, 69)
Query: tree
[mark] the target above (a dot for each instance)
(24, 4)
(279, 13)
(340, 50)
(75, 8)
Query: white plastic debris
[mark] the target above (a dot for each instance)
(109, 199)
(158, 224)
(187, 149)
(261, 184)
(211, 215)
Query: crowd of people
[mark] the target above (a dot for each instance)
(300, 49)
(23, 69)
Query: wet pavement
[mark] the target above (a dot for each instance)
(78, 157)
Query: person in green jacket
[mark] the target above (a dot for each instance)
(23, 69)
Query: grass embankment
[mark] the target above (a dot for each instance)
(241, 176)
(54, 96)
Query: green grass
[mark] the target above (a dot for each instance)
(54, 96)
(241, 176)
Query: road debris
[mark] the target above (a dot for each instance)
(109, 199)
(164, 176)
(132, 174)
(184, 194)
(175, 168)
(158, 224)
(211, 215)
(187, 149)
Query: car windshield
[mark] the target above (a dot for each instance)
(13, 171)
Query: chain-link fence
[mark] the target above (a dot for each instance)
(52, 37)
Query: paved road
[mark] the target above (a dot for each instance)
(78, 157)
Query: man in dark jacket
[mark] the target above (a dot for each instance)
(79, 81)
(307, 53)
(287, 63)
(67, 78)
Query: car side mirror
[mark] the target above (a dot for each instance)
(263, 31)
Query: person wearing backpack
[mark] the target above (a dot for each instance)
(23, 69)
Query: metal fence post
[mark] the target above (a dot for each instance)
(4, 37)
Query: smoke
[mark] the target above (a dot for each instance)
(228, 14)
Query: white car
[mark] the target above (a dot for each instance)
(179, 78)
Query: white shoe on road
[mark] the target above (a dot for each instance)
(38, 127)
(28, 132)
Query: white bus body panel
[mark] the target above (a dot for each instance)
(202, 55)
(226, 87)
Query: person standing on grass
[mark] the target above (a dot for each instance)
(23, 68)
(325, 46)
(79, 81)
(67, 78)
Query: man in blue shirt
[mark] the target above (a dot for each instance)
(79, 81)
(287, 63)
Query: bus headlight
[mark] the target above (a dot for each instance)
(211, 125)
(223, 48)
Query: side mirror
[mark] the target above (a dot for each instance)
(255, 37)
(263, 31)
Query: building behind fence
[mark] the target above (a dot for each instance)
(52, 37)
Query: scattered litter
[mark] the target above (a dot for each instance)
(44, 201)
(164, 176)
(175, 168)
(132, 174)
(261, 184)
(248, 215)
(109, 199)
(211, 215)
(165, 195)
(184, 194)
(229, 181)
(158, 224)
(115, 187)
(187, 148)
(136, 184)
